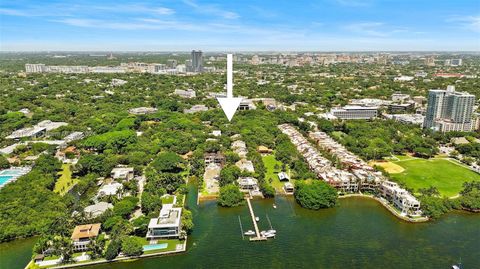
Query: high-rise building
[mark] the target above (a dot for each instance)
(449, 110)
(430, 61)
(197, 61)
(35, 68)
(453, 62)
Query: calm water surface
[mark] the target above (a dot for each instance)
(359, 233)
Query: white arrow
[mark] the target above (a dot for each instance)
(229, 104)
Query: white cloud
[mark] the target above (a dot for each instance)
(212, 10)
(136, 24)
(471, 23)
(376, 29)
(12, 12)
(366, 28)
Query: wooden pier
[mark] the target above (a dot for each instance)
(258, 236)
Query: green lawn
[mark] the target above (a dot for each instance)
(167, 199)
(443, 174)
(65, 182)
(172, 245)
(269, 161)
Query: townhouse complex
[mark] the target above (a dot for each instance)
(356, 175)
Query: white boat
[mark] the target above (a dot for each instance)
(274, 206)
(257, 218)
(249, 232)
(272, 231)
(267, 234)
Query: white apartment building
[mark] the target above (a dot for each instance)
(354, 112)
(400, 198)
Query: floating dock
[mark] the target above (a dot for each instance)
(258, 236)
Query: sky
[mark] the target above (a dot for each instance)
(242, 25)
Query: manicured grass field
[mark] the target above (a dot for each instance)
(447, 176)
(65, 182)
(390, 167)
(269, 161)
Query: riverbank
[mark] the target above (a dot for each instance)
(389, 207)
(355, 234)
(120, 258)
(383, 202)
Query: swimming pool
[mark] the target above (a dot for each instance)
(155, 246)
(12, 174)
(4, 179)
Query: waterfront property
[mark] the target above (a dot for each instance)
(358, 177)
(401, 198)
(342, 243)
(249, 184)
(83, 234)
(288, 188)
(167, 225)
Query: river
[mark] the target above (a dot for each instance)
(358, 233)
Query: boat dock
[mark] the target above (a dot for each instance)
(258, 236)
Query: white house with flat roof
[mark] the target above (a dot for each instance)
(95, 210)
(125, 173)
(110, 189)
(167, 225)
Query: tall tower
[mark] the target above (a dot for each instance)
(449, 110)
(197, 61)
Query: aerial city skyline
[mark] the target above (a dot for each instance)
(239, 134)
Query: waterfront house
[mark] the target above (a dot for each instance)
(38, 258)
(400, 198)
(83, 234)
(288, 187)
(248, 184)
(167, 225)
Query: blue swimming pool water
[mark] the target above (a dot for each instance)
(13, 172)
(3, 179)
(155, 246)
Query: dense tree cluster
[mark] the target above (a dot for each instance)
(315, 195)
(29, 206)
(381, 138)
(230, 195)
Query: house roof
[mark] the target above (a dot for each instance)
(86, 231)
